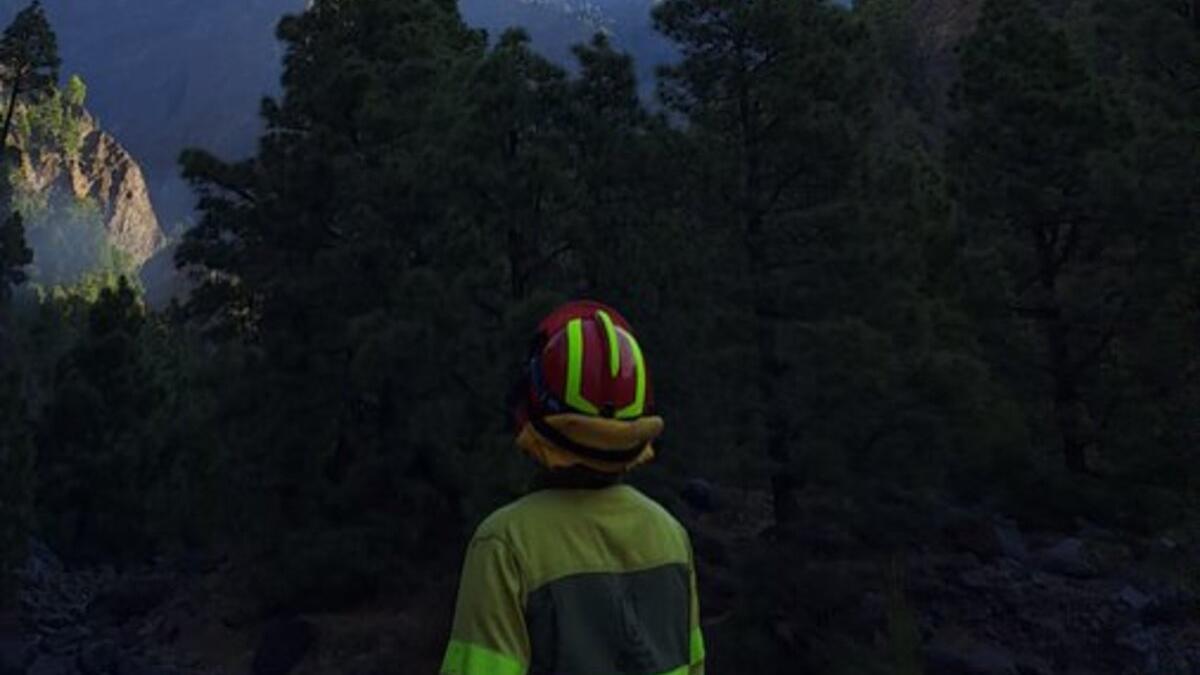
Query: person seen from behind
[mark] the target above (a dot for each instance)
(585, 575)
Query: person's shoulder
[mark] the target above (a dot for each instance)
(502, 522)
(656, 510)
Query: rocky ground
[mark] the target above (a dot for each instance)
(1076, 604)
(984, 595)
(186, 616)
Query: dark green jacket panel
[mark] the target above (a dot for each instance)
(612, 623)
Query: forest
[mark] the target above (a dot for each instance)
(922, 309)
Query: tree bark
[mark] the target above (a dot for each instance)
(1070, 411)
(516, 263)
(753, 209)
(8, 116)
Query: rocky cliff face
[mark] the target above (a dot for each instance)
(203, 67)
(107, 174)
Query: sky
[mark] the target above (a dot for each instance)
(168, 74)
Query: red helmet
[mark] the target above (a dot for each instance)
(586, 392)
(586, 361)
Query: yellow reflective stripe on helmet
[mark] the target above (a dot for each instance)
(697, 649)
(463, 658)
(636, 408)
(574, 396)
(614, 347)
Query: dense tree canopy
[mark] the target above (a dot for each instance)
(840, 285)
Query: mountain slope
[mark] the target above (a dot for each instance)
(167, 74)
(107, 175)
(81, 192)
(556, 25)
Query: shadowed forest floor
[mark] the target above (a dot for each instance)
(980, 593)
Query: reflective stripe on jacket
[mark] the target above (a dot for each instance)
(578, 582)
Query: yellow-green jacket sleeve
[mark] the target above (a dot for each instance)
(697, 636)
(489, 635)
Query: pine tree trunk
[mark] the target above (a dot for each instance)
(1070, 412)
(516, 263)
(8, 116)
(783, 484)
(775, 426)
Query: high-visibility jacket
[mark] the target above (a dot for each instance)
(578, 582)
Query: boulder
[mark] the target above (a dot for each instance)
(988, 539)
(131, 597)
(1171, 605)
(974, 535)
(138, 667)
(977, 579)
(1088, 530)
(41, 564)
(1138, 639)
(1132, 598)
(1045, 627)
(973, 658)
(1165, 545)
(66, 641)
(1008, 536)
(53, 665)
(1032, 664)
(1069, 558)
(701, 495)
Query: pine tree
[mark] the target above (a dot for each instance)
(516, 184)
(29, 58)
(16, 479)
(76, 93)
(347, 268)
(1149, 55)
(626, 182)
(96, 468)
(934, 395)
(1035, 143)
(15, 255)
(774, 101)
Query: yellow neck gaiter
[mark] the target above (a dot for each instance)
(594, 432)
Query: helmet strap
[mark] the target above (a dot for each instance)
(547, 401)
(585, 451)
